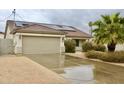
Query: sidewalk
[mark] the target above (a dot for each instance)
(77, 54)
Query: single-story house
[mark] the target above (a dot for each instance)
(1, 35)
(39, 38)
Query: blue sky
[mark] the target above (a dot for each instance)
(74, 17)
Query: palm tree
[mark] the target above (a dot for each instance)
(109, 30)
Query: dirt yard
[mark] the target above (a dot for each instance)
(23, 70)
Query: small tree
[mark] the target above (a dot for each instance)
(70, 46)
(109, 30)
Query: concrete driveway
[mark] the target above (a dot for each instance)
(15, 69)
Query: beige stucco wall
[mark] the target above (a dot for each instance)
(1, 36)
(6, 46)
(18, 41)
(8, 35)
(119, 47)
(9, 28)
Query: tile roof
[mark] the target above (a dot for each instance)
(33, 27)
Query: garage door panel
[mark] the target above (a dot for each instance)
(40, 45)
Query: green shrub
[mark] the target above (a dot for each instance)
(87, 46)
(117, 56)
(93, 54)
(70, 46)
(99, 48)
(114, 57)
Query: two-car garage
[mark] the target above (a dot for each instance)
(40, 45)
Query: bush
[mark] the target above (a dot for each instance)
(70, 46)
(87, 46)
(93, 54)
(117, 56)
(99, 48)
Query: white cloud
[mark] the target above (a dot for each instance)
(78, 18)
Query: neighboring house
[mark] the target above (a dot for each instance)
(39, 38)
(2, 35)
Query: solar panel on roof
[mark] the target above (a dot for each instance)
(18, 24)
(25, 24)
(61, 27)
(57, 27)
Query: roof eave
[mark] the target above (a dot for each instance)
(79, 36)
(39, 32)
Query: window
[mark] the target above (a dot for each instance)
(77, 42)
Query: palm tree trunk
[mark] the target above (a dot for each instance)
(111, 47)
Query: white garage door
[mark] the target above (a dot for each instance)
(40, 45)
